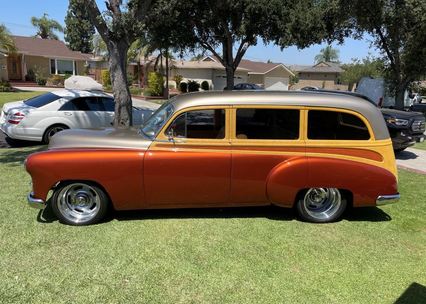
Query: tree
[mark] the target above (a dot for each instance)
(79, 31)
(6, 42)
(46, 27)
(99, 47)
(227, 29)
(398, 28)
(367, 67)
(119, 26)
(327, 54)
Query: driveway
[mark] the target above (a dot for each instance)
(412, 159)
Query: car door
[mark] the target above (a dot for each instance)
(191, 169)
(262, 138)
(84, 112)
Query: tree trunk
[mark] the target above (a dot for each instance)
(166, 91)
(118, 72)
(399, 97)
(228, 59)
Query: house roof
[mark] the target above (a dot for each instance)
(202, 64)
(258, 67)
(46, 48)
(323, 67)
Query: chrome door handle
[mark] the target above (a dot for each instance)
(68, 113)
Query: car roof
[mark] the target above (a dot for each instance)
(79, 93)
(288, 98)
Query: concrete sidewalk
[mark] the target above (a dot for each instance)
(412, 159)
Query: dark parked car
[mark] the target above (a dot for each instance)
(405, 127)
(247, 86)
(419, 107)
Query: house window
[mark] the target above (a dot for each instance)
(59, 66)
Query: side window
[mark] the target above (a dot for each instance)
(267, 124)
(109, 104)
(82, 104)
(336, 125)
(207, 124)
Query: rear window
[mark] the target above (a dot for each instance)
(42, 100)
(336, 125)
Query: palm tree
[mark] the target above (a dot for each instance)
(6, 42)
(327, 54)
(46, 27)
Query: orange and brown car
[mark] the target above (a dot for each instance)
(318, 152)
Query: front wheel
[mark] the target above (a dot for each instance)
(321, 205)
(79, 203)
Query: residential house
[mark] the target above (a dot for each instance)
(324, 75)
(48, 56)
(271, 76)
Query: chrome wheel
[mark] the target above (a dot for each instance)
(78, 203)
(322, 204)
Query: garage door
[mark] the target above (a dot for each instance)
(276, 83)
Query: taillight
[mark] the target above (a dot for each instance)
(16, 118)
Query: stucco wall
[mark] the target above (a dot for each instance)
(319, 76)
(257, 79)
(40, 63)
(3, 68)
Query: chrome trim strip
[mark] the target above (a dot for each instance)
(35, 202)
(387, 199)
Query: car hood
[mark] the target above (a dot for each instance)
(401, 114)
(99, 138)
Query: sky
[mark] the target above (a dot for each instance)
(16, 15)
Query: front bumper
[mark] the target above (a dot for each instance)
(387, 199)
(35, 202)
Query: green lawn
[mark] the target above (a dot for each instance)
(255, 255)
(420, 145)
(15, 96)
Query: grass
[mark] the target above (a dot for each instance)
(15, 96)
(421, 146)
(251, 255)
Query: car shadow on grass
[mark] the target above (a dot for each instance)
(17, 156)
(367, 214)
(415, 293)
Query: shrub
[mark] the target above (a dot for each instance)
(106, 78)
(30, 75)
(193, 86)
(41, 81)
(155, 83)
(147, 92)
(135, 90)
(130, 78)
(67, 75)
(205, 85)
(56, 81)
(5, 86)
(183, 87)
(178, 79)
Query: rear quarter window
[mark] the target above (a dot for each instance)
(41, 100)
(335, 125)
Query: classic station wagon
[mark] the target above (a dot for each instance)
(317, 152)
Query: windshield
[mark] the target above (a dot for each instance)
(41, 100)
(157, 120)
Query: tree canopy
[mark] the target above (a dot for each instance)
(328, 54)
(6, 42)
(79, 31)
(367, 67)
(46, 27)
(228, 28)
(398, 28)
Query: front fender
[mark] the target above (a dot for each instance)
(119, 172)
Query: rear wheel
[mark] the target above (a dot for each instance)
(52, 130)
(321, 205)
(79, 203)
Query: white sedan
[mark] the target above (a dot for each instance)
(39, 118)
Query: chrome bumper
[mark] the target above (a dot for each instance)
(387, 199)
(35, 202)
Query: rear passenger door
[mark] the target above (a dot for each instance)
(84, 112)
(261, 138)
